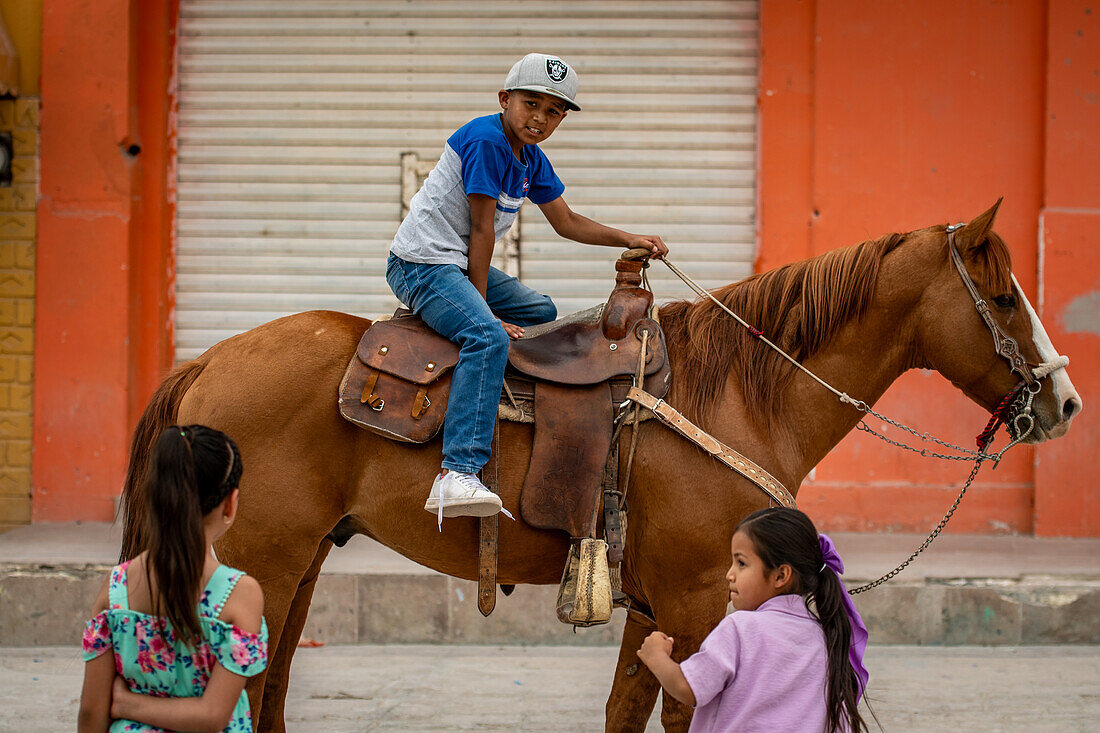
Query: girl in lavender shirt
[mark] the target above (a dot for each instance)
(791, 656)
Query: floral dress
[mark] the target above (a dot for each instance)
(159, 664)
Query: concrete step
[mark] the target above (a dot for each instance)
(966, 589)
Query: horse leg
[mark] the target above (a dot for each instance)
(634, 690)
(280, 570)
(687, 617)
(278, 669)
(278, 595)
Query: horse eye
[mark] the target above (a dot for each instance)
(1007, 302)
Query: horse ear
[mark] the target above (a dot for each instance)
(976, 230)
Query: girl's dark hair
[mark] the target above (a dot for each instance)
(193, 469)
(784, 536)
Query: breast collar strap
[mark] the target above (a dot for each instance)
(671, 417)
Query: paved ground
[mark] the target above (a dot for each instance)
(338, 689)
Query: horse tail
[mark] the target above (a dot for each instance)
(159, 414)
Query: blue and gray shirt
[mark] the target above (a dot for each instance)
(476, 159)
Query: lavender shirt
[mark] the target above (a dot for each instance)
(762, 670)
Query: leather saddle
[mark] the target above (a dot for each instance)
(574, 371)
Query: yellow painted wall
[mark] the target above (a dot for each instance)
(18, 203)
(23, 19)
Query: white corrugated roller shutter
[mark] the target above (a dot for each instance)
(294, 115)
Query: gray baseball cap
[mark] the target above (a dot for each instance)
(540, 72)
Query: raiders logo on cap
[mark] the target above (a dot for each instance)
(556, 70)
(544, 74)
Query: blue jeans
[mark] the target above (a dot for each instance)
(448, 302)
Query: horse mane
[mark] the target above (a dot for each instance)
(800, 307)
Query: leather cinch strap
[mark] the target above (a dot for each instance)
(672, 417)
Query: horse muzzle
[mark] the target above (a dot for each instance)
(1046, 429)
(1055, 407)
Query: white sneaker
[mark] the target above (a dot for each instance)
(456, 494)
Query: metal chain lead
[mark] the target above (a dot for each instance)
(924, 452)
(968, 454)
(1021, 433)
(1022, 409)
(928, 540)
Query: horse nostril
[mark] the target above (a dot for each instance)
(1071, 408)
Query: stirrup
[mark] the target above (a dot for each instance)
(584, 598)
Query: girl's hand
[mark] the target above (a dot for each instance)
(656, 653)
(651, 242)
(119, 693)
(656, 646)
(513, 330)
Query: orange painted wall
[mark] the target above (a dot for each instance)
(102, 335)
(874, 117)
(1066, 501)
(153, 227)
(879, 117)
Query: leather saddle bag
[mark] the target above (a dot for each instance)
(397, 383)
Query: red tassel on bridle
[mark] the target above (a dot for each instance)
(986, 436)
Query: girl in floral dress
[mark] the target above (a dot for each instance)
(184, 631)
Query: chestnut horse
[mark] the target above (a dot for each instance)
(859, 317)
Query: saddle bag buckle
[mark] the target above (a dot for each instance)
(420, 403)
(369, 397)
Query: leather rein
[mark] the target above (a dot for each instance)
(1014, 409)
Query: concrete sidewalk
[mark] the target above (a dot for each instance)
(341, 689)
(965, 589)
(81, 544)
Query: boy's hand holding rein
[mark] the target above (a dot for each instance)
(651, 242)
(656, 653)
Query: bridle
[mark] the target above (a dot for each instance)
(1004, 344)
(1015, 408)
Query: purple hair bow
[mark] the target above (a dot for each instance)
(859, 629)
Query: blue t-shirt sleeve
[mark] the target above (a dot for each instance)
(545, 184)
(483, 168)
